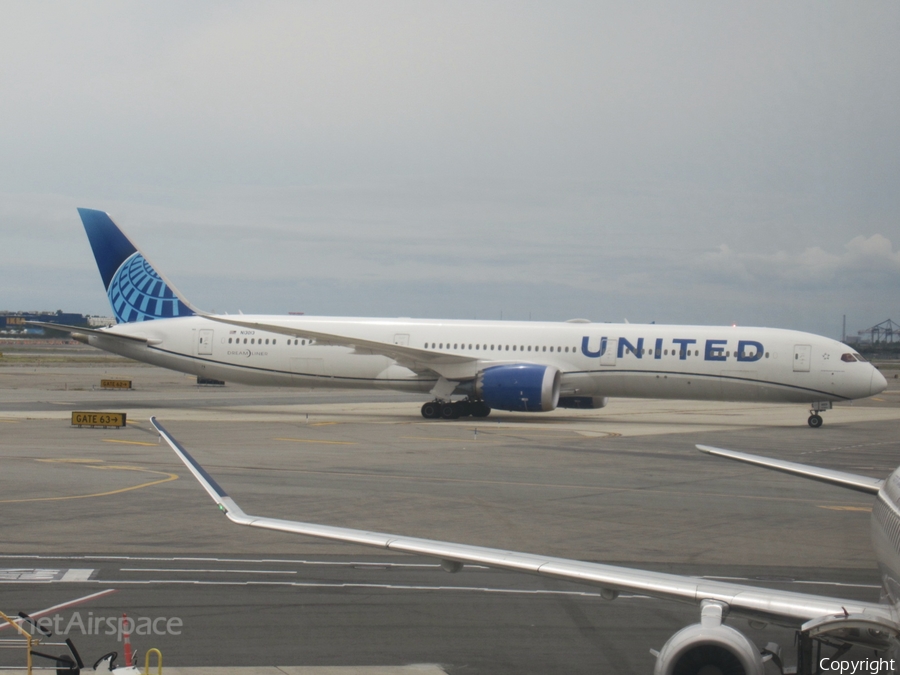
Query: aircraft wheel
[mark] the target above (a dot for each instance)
(815, 421)
(431, 410)
(450, 411)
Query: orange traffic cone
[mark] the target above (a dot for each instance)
(126, 640)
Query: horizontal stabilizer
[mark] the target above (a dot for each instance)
(75, 331)
(851, 481)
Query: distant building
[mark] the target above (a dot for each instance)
(101, 321)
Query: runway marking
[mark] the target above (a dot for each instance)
(880, 400)
(114, 440)
(867, 509)
(213, 571)
(467, 439)
(323, 424)
(9, 422)
(285, 561)
(368, 586)
(97, 464)
(310, 440)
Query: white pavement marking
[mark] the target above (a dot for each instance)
(44, 575)
(412, 669)
(213, 571)
(77, 575)
(262, 561)
(368, 586)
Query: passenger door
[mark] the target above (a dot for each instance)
(608, 357)
(205, 345)
(801, 358)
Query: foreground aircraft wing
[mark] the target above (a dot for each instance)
(775, 606)
(847, 480)
(411, 357)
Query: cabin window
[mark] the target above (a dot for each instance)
(229, 340)
(514, 348)
(529, 347)
(273, 341)
(267, 340)
(507, 347)
(767, 354)
(544, 349)
(441, 346)
(567, 349)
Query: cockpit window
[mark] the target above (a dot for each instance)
(848, 358)
(859, 358)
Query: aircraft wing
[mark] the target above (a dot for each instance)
(847, 480)
(452, 366)
(775, 606)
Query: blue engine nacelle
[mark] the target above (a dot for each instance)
(521, 387)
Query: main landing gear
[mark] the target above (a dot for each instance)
(815, 419)
(452, 410)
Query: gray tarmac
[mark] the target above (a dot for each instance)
(86, 510)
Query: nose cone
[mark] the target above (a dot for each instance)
(879, 384)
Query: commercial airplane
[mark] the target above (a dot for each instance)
(710, 647)
(507, 365)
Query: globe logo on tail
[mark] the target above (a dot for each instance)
(137, 293)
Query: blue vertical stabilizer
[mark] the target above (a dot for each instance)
(136, 291)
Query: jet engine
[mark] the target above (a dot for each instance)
(521, 387)
(709, 649)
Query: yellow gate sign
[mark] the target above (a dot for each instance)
(98, 419)
(115, 384)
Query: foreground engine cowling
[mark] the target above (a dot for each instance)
(709, 649)
(583, 402)
(520, 387)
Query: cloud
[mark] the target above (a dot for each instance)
(864, 259)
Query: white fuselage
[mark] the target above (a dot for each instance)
(618, 360)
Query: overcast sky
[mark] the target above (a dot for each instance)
(692, 162)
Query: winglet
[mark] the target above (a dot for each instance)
(851, 481)
(226, 503)
(136, 290)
